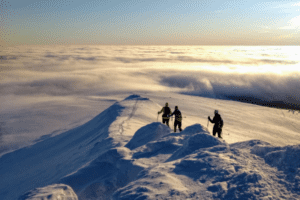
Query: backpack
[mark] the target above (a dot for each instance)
(220, 123)
(167, 111)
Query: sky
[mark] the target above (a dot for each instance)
(152, 22)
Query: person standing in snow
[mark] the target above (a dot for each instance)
(217, 120)
(178, 119)
(166, 112)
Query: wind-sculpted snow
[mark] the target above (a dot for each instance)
(280, 157)
(135, 97)
(166, 143)
(286, 160)
(147, 134)
(108, 172)
(194, 143)
(53, 192)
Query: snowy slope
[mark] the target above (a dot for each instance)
(50, 160)
(123, 153)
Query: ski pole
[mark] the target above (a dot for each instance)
(157, 118)
(207, 126)
(207, 123)
(173, 124)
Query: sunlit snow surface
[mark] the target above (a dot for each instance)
(53, 192)
(71, 110)
(123, 153)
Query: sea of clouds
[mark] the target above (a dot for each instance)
(55, 83)
(264, 73)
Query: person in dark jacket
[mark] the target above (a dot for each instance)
(166, 112)
(178, 119)
(217, 120)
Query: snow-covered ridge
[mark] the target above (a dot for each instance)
(52, 159)
(123, 154)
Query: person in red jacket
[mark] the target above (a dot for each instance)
(217, 120)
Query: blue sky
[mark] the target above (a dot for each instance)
(151, 22)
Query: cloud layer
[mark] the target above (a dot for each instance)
(264, 73)
(271, 90)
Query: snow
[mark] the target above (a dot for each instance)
(51, 192)
(124, 153)
(147, 134)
